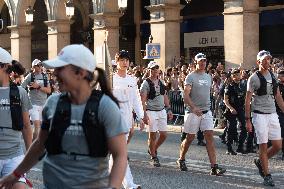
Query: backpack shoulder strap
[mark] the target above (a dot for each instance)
(16, 108)
(94, 131)
(32, 77)
(45, 80)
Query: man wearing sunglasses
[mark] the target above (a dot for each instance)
(156, 107)
(262, 87)
(38, 88)
(197, 87)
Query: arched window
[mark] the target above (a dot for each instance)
(99, 6)
(157, 2)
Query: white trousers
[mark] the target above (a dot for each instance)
(127, 182)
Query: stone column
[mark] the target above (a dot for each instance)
(58, 36)
(108, 20)
(137, 21)
(241, 32)
(165, 29)
(21, 44)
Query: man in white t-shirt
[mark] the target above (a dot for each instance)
(126, 91)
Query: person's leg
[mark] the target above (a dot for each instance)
(128, 181)
(152, 143)
(263, 158)
(131, 133)
(275, 148)
(231, 133)
(200, 138)
(191, 126)
(210, 146)
(36, 124)
(274, 134)
(162, 127)
(243, 134)
(185, 145)
(152, 132)
(161, 139)
(250, 141)
(206, 125)
(36, 117)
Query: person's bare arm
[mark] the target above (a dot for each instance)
(247, 111)
(27, 130)
(144, 98)
(117, 147)
(189, 102)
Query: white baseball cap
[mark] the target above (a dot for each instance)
(36, 62)
(5, 57)
(262, 54)
(77, 55)
(200, 56)
(152, 64)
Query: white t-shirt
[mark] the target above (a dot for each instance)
(125, 89)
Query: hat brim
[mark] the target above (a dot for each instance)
(200, 59)
(264, 56)
(54, 63)
(153, 66)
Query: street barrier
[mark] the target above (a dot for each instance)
(177, 104)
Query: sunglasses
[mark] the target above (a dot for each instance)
(267, 53)
(200, 56)
(155, 67)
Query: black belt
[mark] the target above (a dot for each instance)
(6, 128)
(205, 111)
(74, 154)
(154, 110)
(259, 112)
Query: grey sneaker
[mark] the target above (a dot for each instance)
(155, 162)
(268, 181)
(258, 165)
(182, 165)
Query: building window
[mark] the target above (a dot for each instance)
(99, 6)
(157, 2)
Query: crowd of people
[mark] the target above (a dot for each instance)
(68, 100)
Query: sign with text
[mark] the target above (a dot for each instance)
(153, 51)
(204, 39)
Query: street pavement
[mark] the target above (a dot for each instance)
(241, 172)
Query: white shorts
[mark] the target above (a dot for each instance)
(192, 122)
(266, 127)
(7, 166)
(157, 121)
(36, 113)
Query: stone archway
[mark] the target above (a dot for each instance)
(81, 24)
(39, 37)
(5, 33)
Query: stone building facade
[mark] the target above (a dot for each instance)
(172, 23)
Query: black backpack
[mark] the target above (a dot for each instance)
(94, 132)
(263, 84)
(45, 79)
